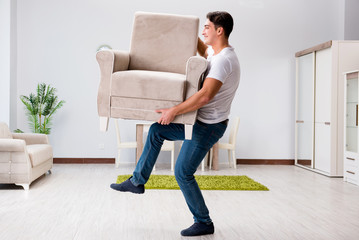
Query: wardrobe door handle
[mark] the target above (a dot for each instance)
(350, 172)
(356, 116)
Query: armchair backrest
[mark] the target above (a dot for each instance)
(163, 42)
(5, 131)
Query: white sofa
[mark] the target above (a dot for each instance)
(23, 156)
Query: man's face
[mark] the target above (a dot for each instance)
(209, 32)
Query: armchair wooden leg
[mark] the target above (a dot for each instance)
(188, 131)
(104, 124)
(24, 185)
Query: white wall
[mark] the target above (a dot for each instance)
(13, 65)
(351, 20)
(5, 15)
(57, 41)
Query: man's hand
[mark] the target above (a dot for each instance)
(168, 115)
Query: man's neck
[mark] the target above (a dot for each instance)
(219, 46)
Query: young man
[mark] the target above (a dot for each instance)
(213, 102)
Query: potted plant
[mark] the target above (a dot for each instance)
(41, 107)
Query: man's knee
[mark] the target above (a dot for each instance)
(179, 174)
(155, 130)
(182, 174)
(154, 127)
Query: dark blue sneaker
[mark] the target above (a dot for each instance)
(127, 186)
(198, 229)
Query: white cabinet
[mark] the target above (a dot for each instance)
(319, 127)
(351, 154)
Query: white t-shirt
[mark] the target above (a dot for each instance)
(224, 67)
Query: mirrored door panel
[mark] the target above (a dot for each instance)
(305, 144)
(305, 88)
(305, 110)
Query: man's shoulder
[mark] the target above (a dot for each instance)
(226, 57)
(229, 52)
(231, 56)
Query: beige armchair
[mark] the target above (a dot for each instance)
(160, 70)
(23, 156)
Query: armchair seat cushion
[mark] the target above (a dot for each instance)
(39, 153)
(153, 85)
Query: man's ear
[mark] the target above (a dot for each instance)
(220, 31)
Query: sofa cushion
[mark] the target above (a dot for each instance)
(4, 131)
(39, 153)
(149, 85)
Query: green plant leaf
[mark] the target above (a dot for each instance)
(40, 108)
(58, 106)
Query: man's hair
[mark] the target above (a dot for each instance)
(222, 19)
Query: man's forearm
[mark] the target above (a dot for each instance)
(193, 103)
(210, 88)
(199, 99)
(202, 48)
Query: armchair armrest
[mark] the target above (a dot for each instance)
(12, 145)
(32, 138)
(110, 61)
(122, 60)
(113, 60)
(196, 66)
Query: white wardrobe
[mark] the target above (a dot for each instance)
(319, 125)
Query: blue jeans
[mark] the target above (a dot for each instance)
(193, 151)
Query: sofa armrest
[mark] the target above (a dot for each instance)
(12, 145)
(109, 61)
(32, 138)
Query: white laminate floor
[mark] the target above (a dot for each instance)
(75, 202)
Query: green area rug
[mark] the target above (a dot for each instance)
(205, 182)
